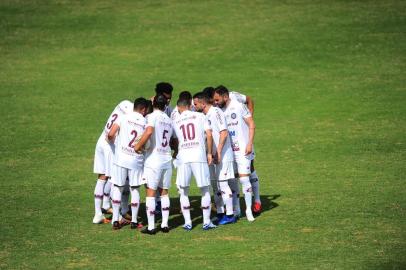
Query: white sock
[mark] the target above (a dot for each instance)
(106, 195)
(116, 201)
(227, 196)
(206, 204)
(255, 186)
(135, 203)
(247, 190)
(124, 200)
(235, 189)
(150, 207)
(218, 200)
(165, 203)
(185, 204)
(98, 196)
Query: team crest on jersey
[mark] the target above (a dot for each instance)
(233, 116)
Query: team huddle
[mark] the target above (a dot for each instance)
(208, 136)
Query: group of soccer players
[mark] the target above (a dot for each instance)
(209, 135)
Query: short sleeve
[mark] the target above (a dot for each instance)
(239, 97)
(245, 113)
(206, 124)
(221, 120)
(151, 119)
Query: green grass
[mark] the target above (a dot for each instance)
(328, 80)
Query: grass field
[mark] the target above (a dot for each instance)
(328, 80)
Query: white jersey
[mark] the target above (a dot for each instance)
(217, 121)
(175, 113)
(132, 127)
(190, 129)
(238, 129)
(158, 155)
(237, 96)
(124, 107)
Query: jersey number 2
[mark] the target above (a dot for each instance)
(134, 133)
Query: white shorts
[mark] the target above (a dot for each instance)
(120, 175)
(242, 166)
(200, 171)
(103, 157)
(225, 171)
(158, 178)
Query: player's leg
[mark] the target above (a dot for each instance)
(98, 199)
(202, 176)
(152, 182)
(135, 178)
(226, 172)
(183, 176)
(106, 196)
(99, 167)
(165, 184)
(244, 170)
(125, 198)
(118, 180)
(235, 189)
(218, 200)
(257, 207)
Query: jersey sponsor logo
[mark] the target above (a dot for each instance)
(232, 124)
(232, 133)
(233, 116)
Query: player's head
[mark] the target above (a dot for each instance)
(141, 106)
(150, 108)
(220, 96)
(185, 95)
(160, 102)
(184, 102)
(201, 100)
(164, 88)
(209, 91)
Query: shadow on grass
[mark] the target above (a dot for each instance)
(176, 217)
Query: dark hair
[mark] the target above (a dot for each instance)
(150, 108)
(221, 90)
(202, 96)
(209, 91)
(140, 103)
(185, 95)
(182, 102)
(163, 87)
(159, 102)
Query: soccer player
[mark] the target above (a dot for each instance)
(254, 179)
(157, 166)
(191, 129)
(128, 163)
(241, 128)
(103, 162)
(222, 168)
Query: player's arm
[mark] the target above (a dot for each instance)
(209, 138)
(222, 141)
(251, 126)
(250, 104)
(144, 138)
(113, 132)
